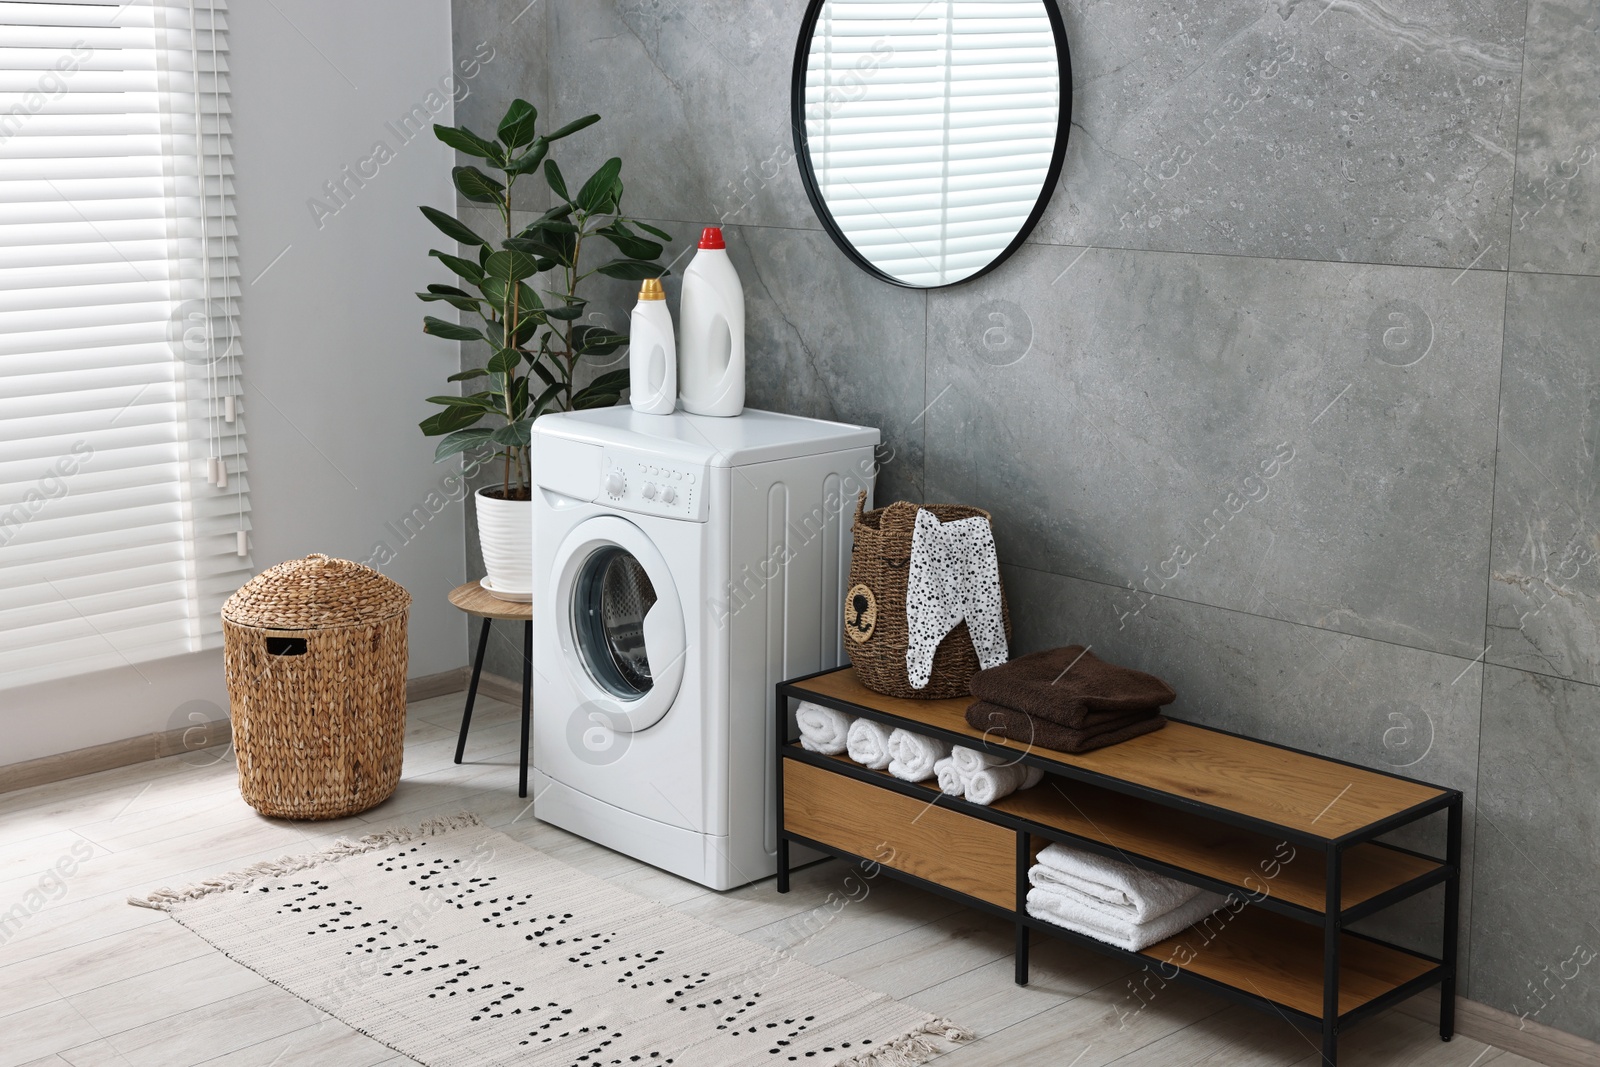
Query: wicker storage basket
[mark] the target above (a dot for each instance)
(315, 651)
(875, 605)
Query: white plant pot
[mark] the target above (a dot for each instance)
(505, 534)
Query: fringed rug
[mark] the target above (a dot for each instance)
(456, 945)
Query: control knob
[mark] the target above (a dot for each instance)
(669, 495)
(616, 482)
(649, 490)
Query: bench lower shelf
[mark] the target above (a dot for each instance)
(1240, 949)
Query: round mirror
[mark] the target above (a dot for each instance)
(930, 132)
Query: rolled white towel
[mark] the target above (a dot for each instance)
(868, 744)
(949, 778)
(988, 786)
(822, 729)
(1066, 908)
(971, 761)
(912, 756)
(1121, 890)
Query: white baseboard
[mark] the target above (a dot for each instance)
(151, 746)
(1532, 1040)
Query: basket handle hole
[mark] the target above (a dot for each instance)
(286, 646)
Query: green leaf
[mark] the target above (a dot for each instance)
(629, 244)
(463, 301)
(571, 128)
(464, 140)
(532, 246)
(510, 265)
(460, 441)
(464, 268)
(632, 270)
(546, 398)
(468, 375)
(588, 399)
(596, 190)
(566, 314)
(452, 227)
(480, 402)
(542, 371)
(530, 159)
(647, 228)
(516, 129)
(452, 331)
(477, 186)
(610, 382)
(514, 434)
(449, 420)
(527, 328)
(558, 184)
(556, 214)
(504, 361)
(596, 340)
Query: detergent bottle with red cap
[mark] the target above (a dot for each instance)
(711, 331)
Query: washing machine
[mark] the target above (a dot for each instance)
(683, 566)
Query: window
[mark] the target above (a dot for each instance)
(123, 503)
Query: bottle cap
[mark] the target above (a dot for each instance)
(711, 237)
(651, 290)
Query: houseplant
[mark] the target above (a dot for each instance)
(523, 290)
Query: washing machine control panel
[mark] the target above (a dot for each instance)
(652, 485)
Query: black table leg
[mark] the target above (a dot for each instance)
(1332, 904)
(1452, 917)
(1024, 864)
(472, 689)
(527, 689)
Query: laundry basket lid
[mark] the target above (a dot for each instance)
(315, 593)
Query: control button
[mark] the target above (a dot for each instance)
(669, 495)
(649, 490)
(616, 482)
(689, 477)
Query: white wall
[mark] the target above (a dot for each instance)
(336, 366)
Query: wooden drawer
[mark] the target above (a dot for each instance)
(945, 847)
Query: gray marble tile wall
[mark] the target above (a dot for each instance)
(1292, 398)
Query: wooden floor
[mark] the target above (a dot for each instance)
(88, 980)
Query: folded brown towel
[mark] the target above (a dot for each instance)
(1042, 733)
(1070, 686)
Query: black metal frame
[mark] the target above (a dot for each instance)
(527, 691)
(1334, 918)
(808, 177)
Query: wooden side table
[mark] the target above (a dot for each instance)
(473, 599)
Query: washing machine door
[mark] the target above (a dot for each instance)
(620, 622)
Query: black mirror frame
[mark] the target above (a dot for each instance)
(808, 177)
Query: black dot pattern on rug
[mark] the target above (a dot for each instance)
(568, 990)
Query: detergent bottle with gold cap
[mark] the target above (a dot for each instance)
(652, 353)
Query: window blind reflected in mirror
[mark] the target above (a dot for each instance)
(931, 128)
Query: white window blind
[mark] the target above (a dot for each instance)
(931, 125)
(123, 498)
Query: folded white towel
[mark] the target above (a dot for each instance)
(1068, 909)
(1119, 889)
(988, 786)
(912, 756)
(949, 778)
(971, 761)
(822, 729)
(868, 743)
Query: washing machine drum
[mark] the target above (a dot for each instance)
(622, 634)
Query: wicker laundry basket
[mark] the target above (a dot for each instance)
(876, 634)
(315, 651)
